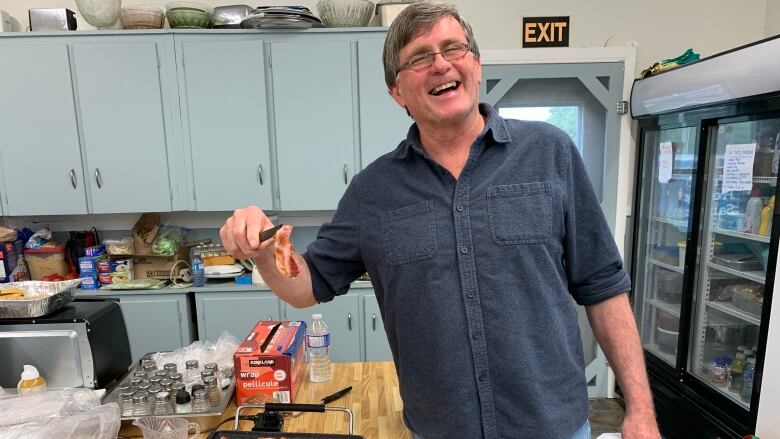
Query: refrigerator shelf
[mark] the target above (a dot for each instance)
(731, 395)
(755, 276)
(671, 308)
(667, 266)
(669, 358)
(677, 223)
(729, 308)
(748, 236)
(768, 180)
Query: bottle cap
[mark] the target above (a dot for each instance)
(183, 397)
(316, 316)
(30, 372)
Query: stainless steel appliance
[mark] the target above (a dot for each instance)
(83, 344)
(706, 242)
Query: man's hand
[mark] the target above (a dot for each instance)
(640, 426)
(240, 233)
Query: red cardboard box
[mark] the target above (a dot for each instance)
(270, 362)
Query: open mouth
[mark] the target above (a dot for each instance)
(444, 88)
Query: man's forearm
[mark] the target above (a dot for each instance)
(615, 330)
(296, 291)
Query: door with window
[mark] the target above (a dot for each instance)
(582, 99)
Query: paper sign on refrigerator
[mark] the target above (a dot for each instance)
(738, 167)
(665, 160)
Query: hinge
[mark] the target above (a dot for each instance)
(622, 107)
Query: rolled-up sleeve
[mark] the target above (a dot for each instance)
(593, 264)
(334, 258)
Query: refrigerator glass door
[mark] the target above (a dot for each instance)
(731, 271)
(668, 177)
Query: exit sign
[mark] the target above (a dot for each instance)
(545, 31)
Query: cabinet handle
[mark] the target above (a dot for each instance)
(349, 321)
(260, 173)
(98, 179)
(345, 174)
(73, 181)
(373, 321)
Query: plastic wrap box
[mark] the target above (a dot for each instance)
(270, 363)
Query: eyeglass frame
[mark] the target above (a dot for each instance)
(466, 47)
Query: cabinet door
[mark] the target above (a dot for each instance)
(39, 142)
(156, 322)
(315, 133)
(342, 317)
(227, 124)
(234, 312)
(377, 348)
(121, 115)
(383, 123)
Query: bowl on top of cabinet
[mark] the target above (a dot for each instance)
(230, 16)
(189, 15)
(142, 17)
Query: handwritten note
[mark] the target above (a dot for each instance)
(665, 161)
(738, 167)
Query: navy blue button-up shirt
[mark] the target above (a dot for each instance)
(475, 278)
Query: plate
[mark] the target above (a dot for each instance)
(223, 271)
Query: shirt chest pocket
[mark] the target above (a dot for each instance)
(520, 213)
(409, 233)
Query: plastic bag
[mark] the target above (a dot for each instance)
(168, 240)
(220, 352)
(39, 238)
(122, 246)
(58, 413)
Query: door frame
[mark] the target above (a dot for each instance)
(599, 367)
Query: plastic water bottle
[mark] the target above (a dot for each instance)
(318, 344)
(747, 379)
(198, 272)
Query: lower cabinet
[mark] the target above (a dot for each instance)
(156, 322)
(236, 312)
(377, 347)
(342, 315)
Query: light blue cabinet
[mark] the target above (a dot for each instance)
(156, 322)
(342, 315)
(314, 121)
(377, 347)
(383, 123)
(39, 142)
(121, 113)
(234, 312)
(226, 122)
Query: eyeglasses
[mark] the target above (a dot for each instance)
(422, 61)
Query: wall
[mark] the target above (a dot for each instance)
(663, 28)
(772, 18)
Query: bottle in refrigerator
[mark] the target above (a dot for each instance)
(766, 217)
(318, 345)
(747, 379)
(753, 212)
(737, 368)
(720, 372)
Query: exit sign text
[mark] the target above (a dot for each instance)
(545, 31)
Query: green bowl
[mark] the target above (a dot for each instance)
(188, 18)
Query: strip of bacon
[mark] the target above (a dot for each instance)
(283, 252)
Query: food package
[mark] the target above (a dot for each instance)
(122, 246)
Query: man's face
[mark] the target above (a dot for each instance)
(447, 91)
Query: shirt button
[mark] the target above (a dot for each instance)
(476, 335)
(459, 208)
(470, 295)
(464, 249)
(483, 376)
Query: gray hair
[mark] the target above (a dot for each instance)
(415, 19)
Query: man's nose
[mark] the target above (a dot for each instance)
(439, 63)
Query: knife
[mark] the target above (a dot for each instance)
(268, 234)
(335, 396)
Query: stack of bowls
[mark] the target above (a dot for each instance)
(189, 15)
(345, 13)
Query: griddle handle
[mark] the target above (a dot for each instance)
(279, 407)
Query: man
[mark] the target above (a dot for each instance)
(476, 232)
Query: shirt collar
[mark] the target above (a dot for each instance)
(494, 125)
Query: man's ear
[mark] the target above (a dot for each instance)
(395, 92)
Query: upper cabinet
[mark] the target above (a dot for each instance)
(383, 123)
(225, 121)
(122, 117)
(315, 123)
(39, 142)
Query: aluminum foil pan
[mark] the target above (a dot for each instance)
(44, 298)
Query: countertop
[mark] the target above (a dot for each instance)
(374, 400)
(211, 287)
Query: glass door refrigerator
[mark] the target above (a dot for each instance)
(705, 244)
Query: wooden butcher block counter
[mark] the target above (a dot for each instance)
(374, 401)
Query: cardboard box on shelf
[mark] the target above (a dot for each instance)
(159, 267)
(270, 362)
